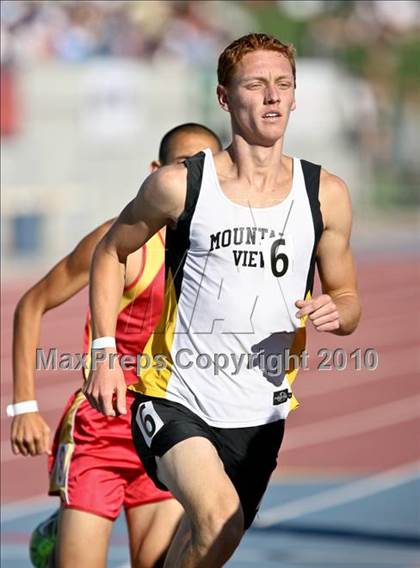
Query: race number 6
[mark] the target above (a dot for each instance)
(149, 421)
(279, 260)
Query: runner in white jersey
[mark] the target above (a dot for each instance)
(224, 340)
(244, 232)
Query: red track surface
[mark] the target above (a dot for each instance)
(349, 422)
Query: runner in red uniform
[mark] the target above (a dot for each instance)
(93, 465)
(89, 451)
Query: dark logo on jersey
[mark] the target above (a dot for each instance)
(281, 396)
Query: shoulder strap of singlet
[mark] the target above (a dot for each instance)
(195, 167)
(312, 174)
(178, 238)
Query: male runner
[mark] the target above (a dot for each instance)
(94, 466)
(244, 230)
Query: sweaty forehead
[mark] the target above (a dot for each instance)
(262, 62)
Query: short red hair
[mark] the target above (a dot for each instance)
(247, 44)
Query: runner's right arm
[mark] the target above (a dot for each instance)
(159, 202)
(30, 434)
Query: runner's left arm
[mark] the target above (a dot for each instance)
(30, 434)
(337, 309)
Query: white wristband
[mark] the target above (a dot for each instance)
(22, 407)
(102, 342)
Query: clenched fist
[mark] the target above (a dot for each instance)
(106, 387)
(322, 312)
(30, 435)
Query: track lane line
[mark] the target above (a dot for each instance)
(26, 507)
(341, 495)
(348, 425)
(315, 387)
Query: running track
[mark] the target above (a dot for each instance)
(356, 433)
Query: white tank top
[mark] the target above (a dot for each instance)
(233, 275)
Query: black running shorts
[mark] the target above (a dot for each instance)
(249, 454)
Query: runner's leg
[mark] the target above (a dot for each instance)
(194, 473)
(151, 528)
(83, 540)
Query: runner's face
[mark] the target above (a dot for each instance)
(187, 144)
(260, 97)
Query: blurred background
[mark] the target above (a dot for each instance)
(88, 88)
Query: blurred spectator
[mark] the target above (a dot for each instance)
(191, 30)
(78, 30)
(376, 41)
(190, 37)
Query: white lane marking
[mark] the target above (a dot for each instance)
(373, 418)
(402, 359)
(305, 553)
(339, 496)
(26, 507)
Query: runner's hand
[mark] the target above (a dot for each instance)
(30, 435)
(106, 382)
(321, 311)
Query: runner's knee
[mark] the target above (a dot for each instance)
(224, 525)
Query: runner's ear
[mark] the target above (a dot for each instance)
(222, 98)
